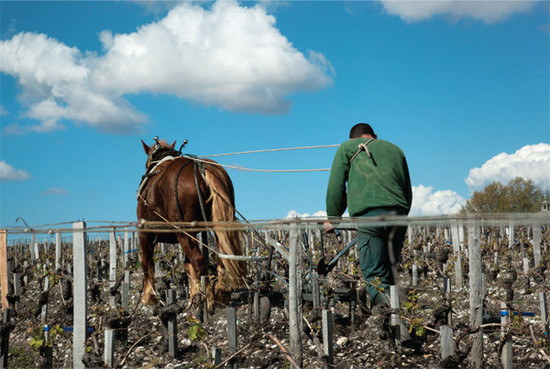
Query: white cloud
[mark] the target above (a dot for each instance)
(426, 202)
(295, 214)
(55, 191)
(530, 162)
(227, 56)
(9, 173)
(486, 11)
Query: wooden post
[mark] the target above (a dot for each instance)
(511, 235)
(80, 289)
(57, 251)
(217, 355)
(415, 275)
(126, 249)
(544, 311)
(458, 256)
(447, 342)
(32, 248)
(108, 355)
(328, 340)
(112, 264)
(133, 247)
(172, 326)
(204, 281)
(395, 319)
(16, 290)
(4, 267)
(126, 290)
(231, 315)
(506, 356)
(295, 294)
(316, 291)
(44, 314)
(5, 340)
(537, 237)
(476, 295)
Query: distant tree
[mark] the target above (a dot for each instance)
(519, 196)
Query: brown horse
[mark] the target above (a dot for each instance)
(178, 188)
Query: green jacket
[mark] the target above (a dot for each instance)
(380, 181)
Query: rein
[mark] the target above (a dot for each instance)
(162, 155)
(159, 156)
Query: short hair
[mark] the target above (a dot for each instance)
(361, 129)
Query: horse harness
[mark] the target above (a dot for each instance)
(162, 155)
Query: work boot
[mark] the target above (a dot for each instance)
(405, 338)
(380, 298)
(380, 320)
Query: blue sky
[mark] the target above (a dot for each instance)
(462, 87)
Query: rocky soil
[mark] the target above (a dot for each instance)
(263, 341)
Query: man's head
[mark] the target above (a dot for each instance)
(360, 130)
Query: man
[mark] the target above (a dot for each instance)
(378, 183)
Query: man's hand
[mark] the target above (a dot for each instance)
(328, 227)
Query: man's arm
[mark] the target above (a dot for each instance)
(336, 190)
(408, 187)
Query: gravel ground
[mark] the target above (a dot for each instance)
(264, 342)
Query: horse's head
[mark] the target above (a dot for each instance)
(154, 151)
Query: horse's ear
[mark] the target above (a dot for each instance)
(146, 148)
(172, 146)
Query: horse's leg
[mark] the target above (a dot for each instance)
(149, 295)
(194, 265)
(193, 282)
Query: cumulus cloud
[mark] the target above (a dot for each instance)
(55, 191)
(530, 162)
(295, 214)
(428, 202)
(487, 11)
(9, 173)
(228, 56)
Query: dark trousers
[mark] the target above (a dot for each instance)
(377, 247)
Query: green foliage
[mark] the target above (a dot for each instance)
(518, 196)
(377, 284)
(417, 327)
(21, 358)
(411, 306)
(38, 338)
(196, 331)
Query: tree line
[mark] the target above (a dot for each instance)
(518, 196)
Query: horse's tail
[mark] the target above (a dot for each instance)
(223, 210)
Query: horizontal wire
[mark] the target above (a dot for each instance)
(541, 218)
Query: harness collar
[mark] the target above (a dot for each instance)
(151, 172)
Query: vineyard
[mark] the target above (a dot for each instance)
(471, 293)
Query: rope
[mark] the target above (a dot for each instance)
(271, 150)
(259, 170)
(268, 150)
